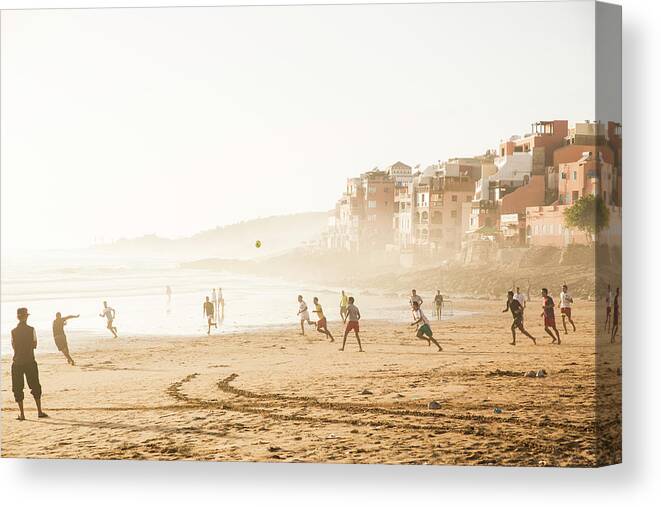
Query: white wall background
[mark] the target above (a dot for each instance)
(636, 482)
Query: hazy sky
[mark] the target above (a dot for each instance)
(123, 122)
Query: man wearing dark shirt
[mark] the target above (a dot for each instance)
(516, 308)
(438, 301)
(549, 316)
(60, 337)
(24, 366)
(616, 314)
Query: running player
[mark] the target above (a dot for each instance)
(565, 308)
(208, 312)
(322, 326)
(109, 313)
(514, 305)
(424, 332)
(303, 314)
(616, 314)
(549, 316)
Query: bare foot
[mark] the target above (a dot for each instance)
(21, 417)
(42, 415)
(440, 349)
(361, 350)
(512, 343)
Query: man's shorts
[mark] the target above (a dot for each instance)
(61, 343)
(549, 321)
(321, 323)
(31, 372)
(352, 325)
(566, 311)
(425, 329)
(304, 316)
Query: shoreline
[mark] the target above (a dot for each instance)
(276, 396)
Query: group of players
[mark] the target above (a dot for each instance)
(24, 338)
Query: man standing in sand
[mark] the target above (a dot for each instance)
(344, 302)
(221, 304)
(60, 337)
(208, 312)
(353, 314)
(515, 306)
(565, 308)
(438, 301)
(609, 299)
(424, 331)
(303, 314)
(616, 314)
(24, 366)
(109, 313)
(549, 316)
(322, 325)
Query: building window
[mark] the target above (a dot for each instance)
(574, 196)
(425, 217)
(575, 176)
(453, 213)
(469, 198)
(371, 190)
(371, 218)
(454, 198)
(371, 204)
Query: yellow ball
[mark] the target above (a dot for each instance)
(258, 244)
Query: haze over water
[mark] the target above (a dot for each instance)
(78, 283)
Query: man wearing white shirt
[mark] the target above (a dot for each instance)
(565, 308)
(424, 330)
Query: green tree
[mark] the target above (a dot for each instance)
(589, 214)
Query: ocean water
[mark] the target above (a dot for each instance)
(79, 283)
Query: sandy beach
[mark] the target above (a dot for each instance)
(276, 396)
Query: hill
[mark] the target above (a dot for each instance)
(237, 241)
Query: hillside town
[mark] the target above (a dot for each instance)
(460, 209)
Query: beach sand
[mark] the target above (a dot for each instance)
(276, 396)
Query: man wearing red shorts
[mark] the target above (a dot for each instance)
(353, 316)
(549, 316)
(322, 325)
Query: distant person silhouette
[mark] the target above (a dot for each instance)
(221, 304)
(616, 314)
(60, 337)
(168, 295)
(344, 302)
(109, 313)
(24, 366)
(208, 312)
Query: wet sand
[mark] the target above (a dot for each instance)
(274, 395)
